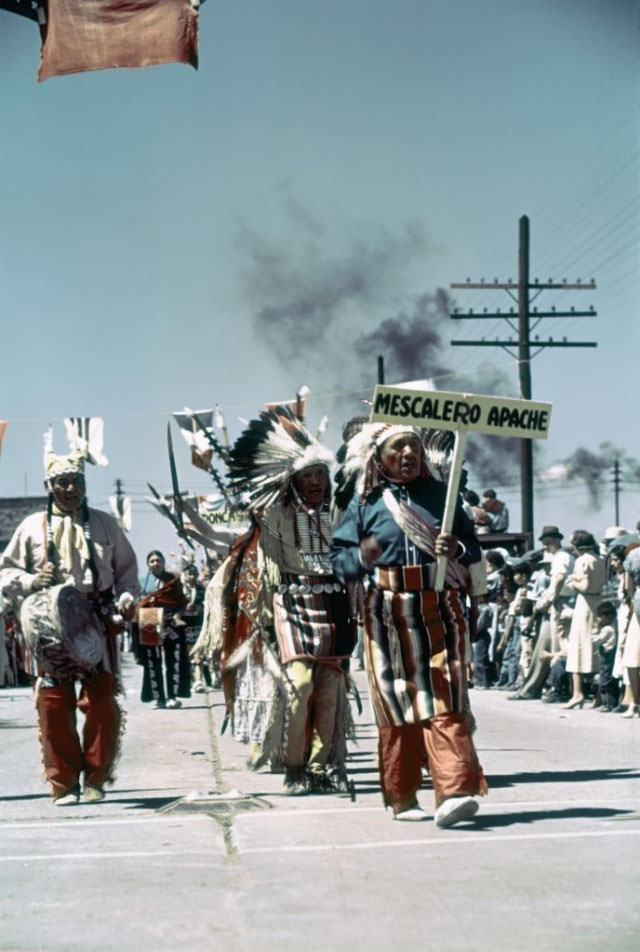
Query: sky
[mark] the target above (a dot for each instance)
(301, 204)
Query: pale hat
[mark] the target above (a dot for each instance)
(614, 532)
(55, 465)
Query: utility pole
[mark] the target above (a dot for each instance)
(616, 491)
(119, 494)
(523, 293)
(120, 502)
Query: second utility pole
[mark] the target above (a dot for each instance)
(524, 373)
(523, 300)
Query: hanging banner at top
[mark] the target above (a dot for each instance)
(468, 412)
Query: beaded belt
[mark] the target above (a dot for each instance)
(307, 585)
(404, 578)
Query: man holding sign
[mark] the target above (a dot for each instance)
(406, 531)
(415, 637)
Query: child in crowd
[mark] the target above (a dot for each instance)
(604, 639)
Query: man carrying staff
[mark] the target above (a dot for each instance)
(415, 637)
(79, 557)
(284, 472)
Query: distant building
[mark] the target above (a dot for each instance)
(13, 511)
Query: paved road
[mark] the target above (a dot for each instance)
(192, 850)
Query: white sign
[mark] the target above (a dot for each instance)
(465, 412)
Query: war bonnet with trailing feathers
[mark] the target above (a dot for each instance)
(268, 453)
(360, 471)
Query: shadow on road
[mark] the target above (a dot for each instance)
(496, 781)
(487, 822)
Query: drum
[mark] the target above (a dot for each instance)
(61, 631)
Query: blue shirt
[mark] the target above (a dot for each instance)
(372, 518)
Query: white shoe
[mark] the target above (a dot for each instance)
(454, 810)
(93, 794)
(174, 702)
(411, 815)
(67, 800)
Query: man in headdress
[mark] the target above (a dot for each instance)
(73, 555)
(285, 472)
(416, 638)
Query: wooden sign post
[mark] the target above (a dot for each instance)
(464, 413)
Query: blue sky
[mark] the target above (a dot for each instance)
(174, 237)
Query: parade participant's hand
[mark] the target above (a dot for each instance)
(45, 578)
(447, 544)
(127, 606)
(370, 550)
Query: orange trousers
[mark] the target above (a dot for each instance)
(64, 754)
(445, 742)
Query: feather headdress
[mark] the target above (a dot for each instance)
(268, 453)
(360, 472)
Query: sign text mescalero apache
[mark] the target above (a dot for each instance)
(478, 413)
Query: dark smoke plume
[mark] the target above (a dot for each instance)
(595, 469)
(327, 312)
(410, 343)
(308, 296)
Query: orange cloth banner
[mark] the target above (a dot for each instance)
(83, 35)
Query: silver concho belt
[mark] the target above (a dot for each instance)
(305, 588)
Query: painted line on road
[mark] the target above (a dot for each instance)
(137, 854)
(52, 824)
(464, 839)
(489, 807)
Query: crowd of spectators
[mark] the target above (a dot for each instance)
(560, 624)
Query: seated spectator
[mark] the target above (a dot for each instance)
(510, 644)
(480, 518)
(558, 684)
(520, 615)
(540, 634)
(496, 511)
(484, 670)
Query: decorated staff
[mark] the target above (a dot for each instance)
(73, 571)
(284, 475)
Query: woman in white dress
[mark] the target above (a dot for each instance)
(631, 636)
(587, 580)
